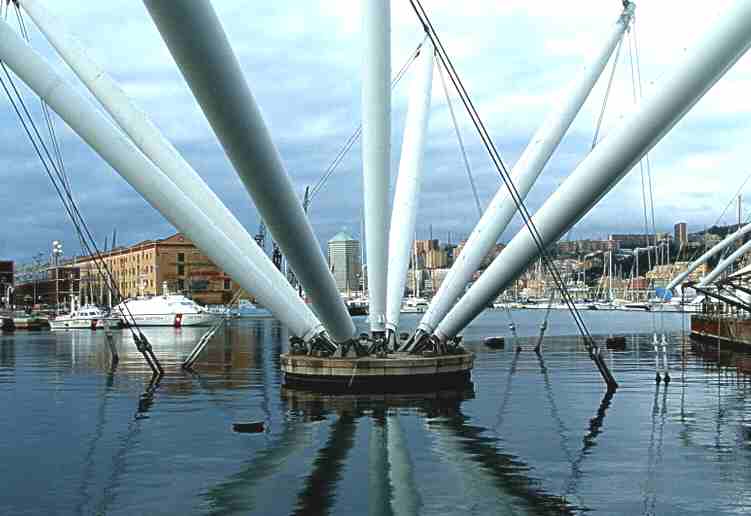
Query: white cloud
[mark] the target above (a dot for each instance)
(516, 57)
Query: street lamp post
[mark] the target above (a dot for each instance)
(57, 251)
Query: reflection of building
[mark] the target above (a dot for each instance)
(344, 261)
(680, 233)
(144, 267)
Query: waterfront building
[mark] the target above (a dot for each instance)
(49, 285)
(345, 262)
(680, 233)
(6, 280)
(436, 259)
(631, 241)
(660, 275)
(144, 268)
(572, 247)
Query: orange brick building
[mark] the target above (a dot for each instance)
(143, 269)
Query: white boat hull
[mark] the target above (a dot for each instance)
(175, 320)
(83, 324)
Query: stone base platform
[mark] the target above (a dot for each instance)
(397, 373)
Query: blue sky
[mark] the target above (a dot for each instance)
(302, 61)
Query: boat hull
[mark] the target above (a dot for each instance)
(83, 324)
(175, 320)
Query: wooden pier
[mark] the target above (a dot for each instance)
(395, 373)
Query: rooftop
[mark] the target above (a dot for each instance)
(342, 236)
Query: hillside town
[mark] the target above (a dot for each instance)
(624, 266)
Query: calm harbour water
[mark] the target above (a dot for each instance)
(532, 436)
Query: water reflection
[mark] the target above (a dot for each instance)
(533, 435)
(319, 491)
(391, 474)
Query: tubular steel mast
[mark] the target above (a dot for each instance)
(524, 174)
(724, 264)
(199, 45)
(145, 135)
(612, 159)
(406, 196)
(120, 152)
(680, 278)
(376, 147)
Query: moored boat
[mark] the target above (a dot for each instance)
(168, 309)
(86, 317)
(248, 310)
(24, 321)
(414, 305)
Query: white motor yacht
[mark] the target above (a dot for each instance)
(86, 317)
(414, 305)
(168, 309)
(247, 309)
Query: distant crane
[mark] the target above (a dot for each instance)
(260, 237)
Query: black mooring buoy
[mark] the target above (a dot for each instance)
(254, 427)
(617, 342)
(495, 342)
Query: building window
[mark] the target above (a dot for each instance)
(227, 284)
(181, 284)
(180, 257)
(181, 270)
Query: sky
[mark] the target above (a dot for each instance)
(302, 62)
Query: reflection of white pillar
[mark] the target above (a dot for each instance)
(406, 498)
(501, 209)
(376, 148)
(612, 159)
(378, 475)
(199, 45)
(406, 196)
(115, 148)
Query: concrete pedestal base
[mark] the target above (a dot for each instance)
(399, 372)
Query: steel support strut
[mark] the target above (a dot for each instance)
(199, 45)
(407, 192)
(707, 255)
(501, 209)
(149, 140)
(376, 148)
(724, 264)
(611, 160)
(119, 151)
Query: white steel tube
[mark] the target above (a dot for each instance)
(680, 278)
(376, 150)
(117, 150)
(406, 196)
(501, 209)
(724, 264)
(197, 42)
(612, 159)
(147, 137)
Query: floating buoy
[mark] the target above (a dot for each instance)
(495, 342)
(255, 427)
(617, 342)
